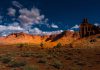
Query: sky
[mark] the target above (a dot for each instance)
(46, 16)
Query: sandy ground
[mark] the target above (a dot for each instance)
(35, 58)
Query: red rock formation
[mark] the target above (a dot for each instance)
(65, 37)
(87, 29)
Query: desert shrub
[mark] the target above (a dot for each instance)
(27, 54)
(53, 53)
(80, 62)
(13, 69)
(69, 46)
(41, 45)
(98, 54)
(98, 37)
(5, 59)
(49, 56)
(68, 57)
(93, 40)
(75, 67)
(39, 55)
(42, 60)
(20, 45)
(97, 62)
(31, 68)
(58, 45)
(57, 64)
(17, 63)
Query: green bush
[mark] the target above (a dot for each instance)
(75, 67)
(98, 37)
(31, 68)
(41, 45)
(49, 56)
(57, 64)
(20, 45)
(42, 60)
(5, 59)
(26, 54)
(17, 63)
(58, 45)
(93, 40)
(69, 46)
(39, 55)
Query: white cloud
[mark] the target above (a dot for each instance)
(6, 30)
(26, 18)
(15, 28)
(29, 16)
(35, 31)
(54, 26)
(71, 30)
(97, 24)
(2, 28)
(52, 32)
(11, 12)
(75, 27)
(48, 25)
(14, 24)
(17, 4)
(32, 16)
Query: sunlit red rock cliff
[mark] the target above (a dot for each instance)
(65, 37)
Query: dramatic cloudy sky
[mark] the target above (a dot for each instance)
(46, 16)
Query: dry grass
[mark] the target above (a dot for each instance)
(62, 58)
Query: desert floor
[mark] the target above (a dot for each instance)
(35, 58)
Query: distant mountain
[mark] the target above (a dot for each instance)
(65, 38)
(20, 38)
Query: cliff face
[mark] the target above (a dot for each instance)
(87, 29)
(20, 38)
(49, 41)
(65, 37)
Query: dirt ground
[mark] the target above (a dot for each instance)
(35, 58)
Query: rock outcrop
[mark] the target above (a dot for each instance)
(65, 37)
(87, 29)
